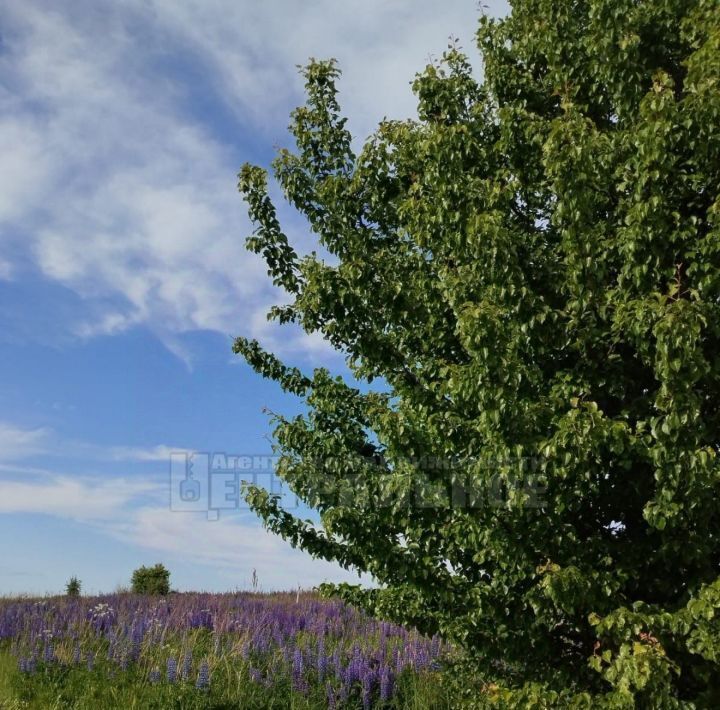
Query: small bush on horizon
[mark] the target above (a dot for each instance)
(74, 587)
(151, 580)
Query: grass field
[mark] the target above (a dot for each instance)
(191, 651)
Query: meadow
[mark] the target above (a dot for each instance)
(221, 651)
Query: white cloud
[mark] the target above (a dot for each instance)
(230, 543)
(130, 199)
(253, 49)
(18, 443)
(136, 509)
(6, 270)
(27, 168)
(136, 453)
(136, 513)
(71, 497)
(118, 185)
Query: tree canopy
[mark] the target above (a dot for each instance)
(529, 273)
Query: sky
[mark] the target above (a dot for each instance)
(124, 277)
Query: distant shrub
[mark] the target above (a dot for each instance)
(151, 580)
(73, 587)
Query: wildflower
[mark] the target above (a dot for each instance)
(187, 665)
(344, 693)
(386, 684)
(154, 676)
(322, 664)
(203, 680)
(100, 611)
(330, 697)
(367, 680)
(171, 670)
(366, 698)
(201, 619)
(298, 681)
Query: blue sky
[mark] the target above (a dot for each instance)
(123, 273)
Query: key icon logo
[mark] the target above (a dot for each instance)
(189, 489)
(189, 481)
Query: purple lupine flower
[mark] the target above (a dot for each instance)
(367, 685)
(386, 684)
(201, 619)
(203, 680)
(354, 668)
(171, 670)
(344, 693)
(187, 665)
(322, 665)
(154, 676)
(298, 682)
(90, 661)
(330, 692)
(336, 662)
(76, 655)
(398, 661)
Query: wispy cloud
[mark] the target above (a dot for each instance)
(252, 49)
(6, 268)
(118, 177)
(114, 192)
(18, 443)
(72, 497)
(137, 514)
(232, 543)
(136, 510)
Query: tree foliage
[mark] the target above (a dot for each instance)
(73, 587)
(151, 580)
(531, 271)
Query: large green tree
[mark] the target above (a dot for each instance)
(531, 272)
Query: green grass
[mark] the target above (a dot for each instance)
(8, 672)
